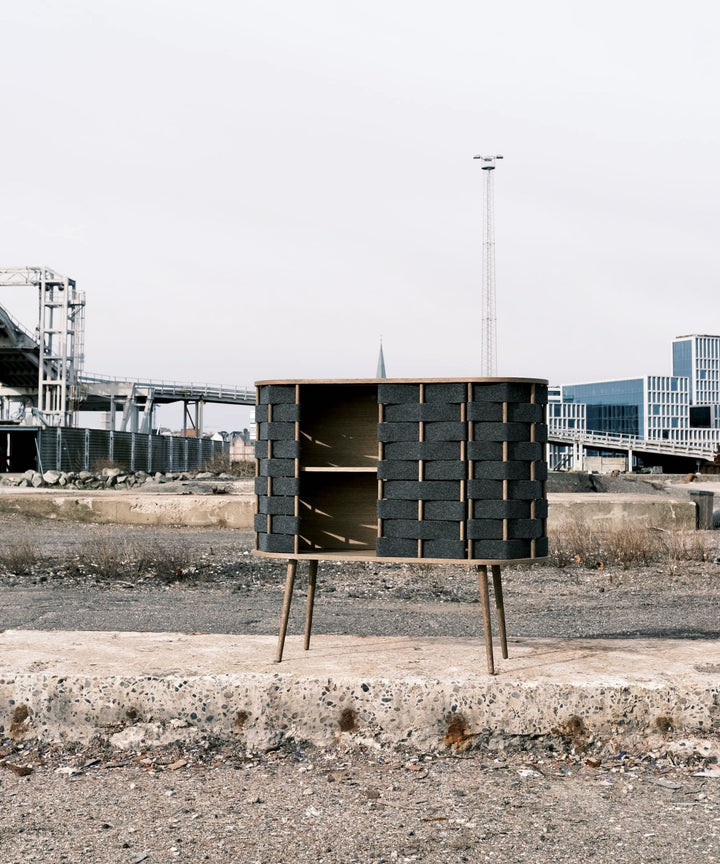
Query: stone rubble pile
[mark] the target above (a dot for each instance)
(107, 478)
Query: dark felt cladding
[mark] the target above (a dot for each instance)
(394, 547)
(499, 549)
(280, 393)
(445, 432)
(398, 470)
(286, 485)
(285, 449)
(506, 391)
(482, 529)
(443, 451)
(493, 509)
(456, 549)
(272, 431)
(485, 412)
(442, 391)
(415, 412)
(397, 509)
(389, 394)
(284, 413)
(437, 470)
(426, 490)
(453, 511)
(277, 504)
(284, 524)
(425, 529)
(276, 468)
(399, 432)
(501, 470)
(283, 543)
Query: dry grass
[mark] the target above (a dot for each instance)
(113, 558)
(579, 543)
(18, 559)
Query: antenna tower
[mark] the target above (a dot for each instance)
(488, 365)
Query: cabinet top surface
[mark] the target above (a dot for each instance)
(399, 380)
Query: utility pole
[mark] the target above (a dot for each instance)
(488, 364)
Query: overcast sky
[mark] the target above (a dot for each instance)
(257, 189)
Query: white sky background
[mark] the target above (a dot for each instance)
(258, 189)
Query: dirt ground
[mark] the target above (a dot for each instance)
(534, 801)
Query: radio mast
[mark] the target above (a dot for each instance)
(488, 364)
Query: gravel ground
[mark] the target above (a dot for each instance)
(207, 802)
(309, 806)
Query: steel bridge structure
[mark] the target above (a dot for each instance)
(42, 382)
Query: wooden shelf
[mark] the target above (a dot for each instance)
(338, 469)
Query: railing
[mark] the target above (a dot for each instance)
(191, 390)
(633, 442)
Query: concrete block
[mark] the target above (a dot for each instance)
(442, 470)
(441, 450)
(284, 413)
(525, 490)
(398, 470)
(529, 451)
(396, 547)
(485, 412)
(397, 509)
(397, 393)
(449, 511)
(453, 549)
(446, 391)
(489, 550)
(284, 524)
(525, 529)
(414, 529)
(500, 510)
(523, 412)
(485, 450)
(388, 432)
(484, 489)
(285, 449)
(501, 431)
(276, 543)
(277, 504)
(427, 490)
(505, 391)
(285, 486)
(414, 411)
(501, 470)
(484, 529)
(445, 431)
(281, 393)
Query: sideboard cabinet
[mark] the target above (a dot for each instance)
(430, 470)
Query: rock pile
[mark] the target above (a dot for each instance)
(107, 478)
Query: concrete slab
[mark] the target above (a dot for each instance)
(143, 689)
(603, 510)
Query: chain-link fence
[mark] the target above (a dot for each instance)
(64, 449)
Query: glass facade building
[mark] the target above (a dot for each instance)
(682, 408)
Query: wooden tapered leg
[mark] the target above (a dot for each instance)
(500, 608)
(312, 580)
(487, 624)
(287, 600)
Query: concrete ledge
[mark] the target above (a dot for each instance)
(604, 510)
(123, 508)
(427, 694)
(610, 512)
